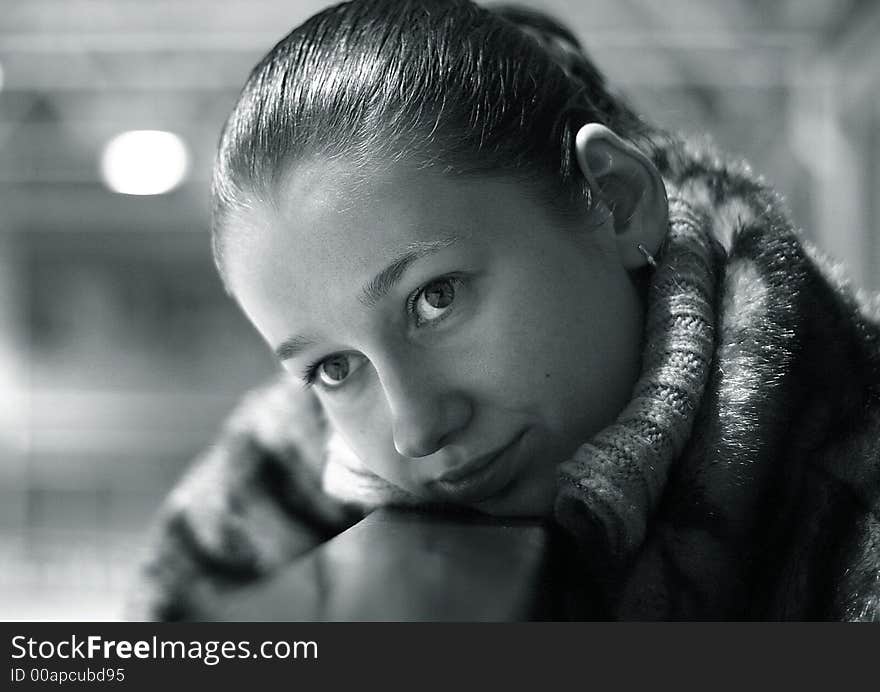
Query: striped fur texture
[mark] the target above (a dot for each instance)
(742, 481)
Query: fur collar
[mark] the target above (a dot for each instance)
(750, 333)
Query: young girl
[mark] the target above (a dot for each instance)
(493, 286)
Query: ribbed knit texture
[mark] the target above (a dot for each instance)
(609, 489)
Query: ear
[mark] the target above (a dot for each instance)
(630, 186)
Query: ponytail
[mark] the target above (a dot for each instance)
(564, 48)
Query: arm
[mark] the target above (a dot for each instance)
(249, 504)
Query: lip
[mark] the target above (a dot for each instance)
(482, 477)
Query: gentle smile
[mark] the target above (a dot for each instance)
(482, 477)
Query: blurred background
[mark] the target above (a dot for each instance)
(119, 352)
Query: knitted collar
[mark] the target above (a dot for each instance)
(732, 306)
(612, 485)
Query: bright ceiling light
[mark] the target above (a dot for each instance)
(144, 162)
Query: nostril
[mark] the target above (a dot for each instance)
(415, 446)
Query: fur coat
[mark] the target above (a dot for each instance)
(741, 482)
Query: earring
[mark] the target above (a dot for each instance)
(648, 256)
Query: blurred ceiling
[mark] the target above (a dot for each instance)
(202, 45)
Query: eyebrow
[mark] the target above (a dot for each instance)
(375, 289)
(292, 346)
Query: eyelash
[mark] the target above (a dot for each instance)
(309, 374)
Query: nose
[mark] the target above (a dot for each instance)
(427, 410)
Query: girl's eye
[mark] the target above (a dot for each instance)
(333, 371)
(434, 299)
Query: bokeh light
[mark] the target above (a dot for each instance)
(144, 162)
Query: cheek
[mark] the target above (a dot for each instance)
(527, 345)
(360, 420)
(564, 351)
(596, 367)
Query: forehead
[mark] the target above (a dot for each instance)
(330, 230)
(327, 211)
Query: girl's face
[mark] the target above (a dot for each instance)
(461, 338)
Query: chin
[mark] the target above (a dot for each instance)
(524, 498)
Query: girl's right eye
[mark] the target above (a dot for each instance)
(332, 372)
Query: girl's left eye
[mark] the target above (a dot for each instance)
(434, 300)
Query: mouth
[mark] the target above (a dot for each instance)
(482, 477)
